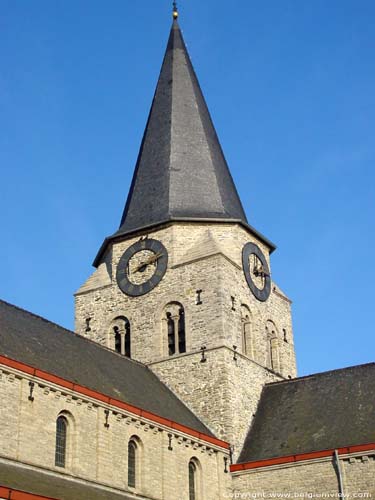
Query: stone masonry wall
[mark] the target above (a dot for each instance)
(205, 257)
(97, 453)
(359, 474)
(222, 391)
(308, 479)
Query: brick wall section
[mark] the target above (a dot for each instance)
(96, 453)
(314, 477)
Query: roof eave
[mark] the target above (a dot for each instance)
(118, 236)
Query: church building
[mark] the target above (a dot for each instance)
(179, 381)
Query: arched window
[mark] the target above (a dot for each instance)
(134, 462)
(127, 340)
(174, 323)
(272, 354)
(119, 337)
(194, 479)
(61, 441)
(247, 340)
(181, 331)
(171, 334)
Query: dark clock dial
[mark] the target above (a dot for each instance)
(141, 267)
(256, 271)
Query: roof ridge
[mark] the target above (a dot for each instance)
(252, 421)
(175, 26)
(319, 374)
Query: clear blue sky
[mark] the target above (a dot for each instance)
(290, 86)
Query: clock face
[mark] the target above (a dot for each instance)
(141, 267)
(256, 271)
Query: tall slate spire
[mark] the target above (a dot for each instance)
(181, 172)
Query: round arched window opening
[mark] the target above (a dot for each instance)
(119, 336)
(194, 471)
(174, 328)
(134, 462)
(61, 441)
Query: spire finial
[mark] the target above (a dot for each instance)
(175, 11)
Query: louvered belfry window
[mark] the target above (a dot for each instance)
(181, 331)
(192, 480)
(61, 438)
(175, 321)
(171, 335)
(127, 340)
(117, 339)
(132, 458)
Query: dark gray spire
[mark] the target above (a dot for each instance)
(181, 172)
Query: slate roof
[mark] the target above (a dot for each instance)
(181, 172)
(36, 341)
(321, 412)
(56, 486)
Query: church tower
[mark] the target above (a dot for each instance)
(185, 286)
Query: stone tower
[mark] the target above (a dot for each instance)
(184, 285)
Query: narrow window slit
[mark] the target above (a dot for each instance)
(61, 439)
(132, 464)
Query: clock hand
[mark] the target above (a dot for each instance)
(151, 260)
(259, 271)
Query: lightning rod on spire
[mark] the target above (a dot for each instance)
(175, 11)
